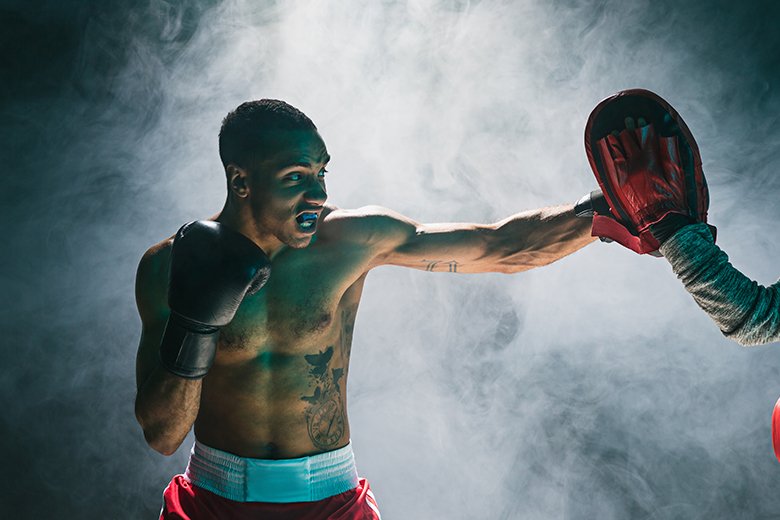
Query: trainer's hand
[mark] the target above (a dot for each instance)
(672, 222)
(212, 269)
(657, 170)
(648, 171)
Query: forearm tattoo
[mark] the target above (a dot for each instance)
(449, 266)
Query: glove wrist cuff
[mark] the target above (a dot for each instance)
(590, 204)
(188, 348)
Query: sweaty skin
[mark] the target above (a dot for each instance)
(278, 386)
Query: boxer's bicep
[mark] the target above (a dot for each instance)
(445, 247)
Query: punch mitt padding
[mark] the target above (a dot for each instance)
(646, 173)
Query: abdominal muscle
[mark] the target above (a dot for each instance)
(278, 387)
(276, 405)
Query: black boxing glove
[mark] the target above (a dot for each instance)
(212, 269)
(590, 203)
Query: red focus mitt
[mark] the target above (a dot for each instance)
(651, 176)
(776, 429)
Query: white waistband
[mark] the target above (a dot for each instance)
(305, 479)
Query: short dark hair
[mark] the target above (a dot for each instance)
(247, 132)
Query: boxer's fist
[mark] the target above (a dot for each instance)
(591, 204)
(212, 269)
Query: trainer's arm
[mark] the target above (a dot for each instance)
(518, 243)
(745, 311)
(166, 405)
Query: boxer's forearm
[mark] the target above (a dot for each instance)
(537, 238)
(166, 407)
(744, 310)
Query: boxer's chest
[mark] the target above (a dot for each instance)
(301, 307)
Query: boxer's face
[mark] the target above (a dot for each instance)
(287, 190)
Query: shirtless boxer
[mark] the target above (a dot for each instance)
(263, 377)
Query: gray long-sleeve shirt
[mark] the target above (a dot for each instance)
(745, 311)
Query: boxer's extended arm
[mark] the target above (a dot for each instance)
(518, 243)
(166, 405)
(745, 311)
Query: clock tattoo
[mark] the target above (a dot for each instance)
(326, 424)
(325, 415)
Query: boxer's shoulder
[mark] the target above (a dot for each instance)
(157, 256)
(368, 225)
(155, 262)
(151, 281)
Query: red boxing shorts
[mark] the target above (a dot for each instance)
(183, 501)
(221, 485)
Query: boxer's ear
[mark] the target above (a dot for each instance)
(237, 178)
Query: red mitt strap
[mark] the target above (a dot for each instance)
(608, 227)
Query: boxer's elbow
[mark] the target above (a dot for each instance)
(161, 445)
(160, 436)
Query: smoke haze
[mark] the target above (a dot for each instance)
(592, 388)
